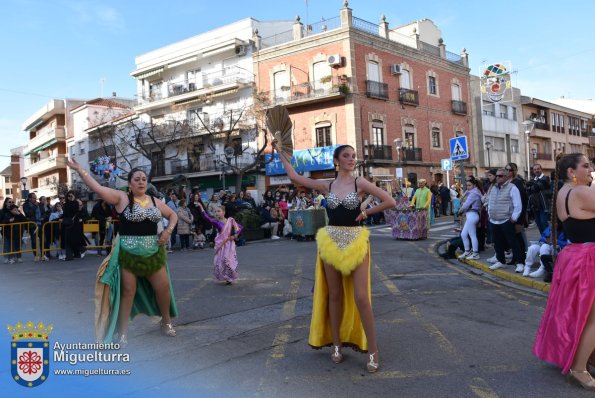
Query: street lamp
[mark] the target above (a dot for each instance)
(24, 191)
(488, 147)
(528, 124)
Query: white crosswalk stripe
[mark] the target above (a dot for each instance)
(441, 230)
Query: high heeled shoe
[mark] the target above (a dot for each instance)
(589, 385)
(336, 356)
(167, 329)
(372, 365)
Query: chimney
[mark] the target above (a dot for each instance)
(113, 94)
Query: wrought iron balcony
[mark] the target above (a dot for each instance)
(544, 156)
(380, 152)
(412, 155)
(459, 107)
(320, 90)
(408, 97)
(376, 89)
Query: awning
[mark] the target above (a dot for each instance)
(149, 73)
(42, 147)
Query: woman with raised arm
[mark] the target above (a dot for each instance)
(342, 307)
(566, 335)
(134, 278)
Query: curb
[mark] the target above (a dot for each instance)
(511, 277)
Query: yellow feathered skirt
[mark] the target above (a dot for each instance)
(345, 249)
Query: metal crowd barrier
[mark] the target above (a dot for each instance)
(12, 238)
(41, 239)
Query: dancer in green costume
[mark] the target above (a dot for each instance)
(134, 278)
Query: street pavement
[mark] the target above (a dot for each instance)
(445, 328)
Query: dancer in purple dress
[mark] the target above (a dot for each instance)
(225, 261)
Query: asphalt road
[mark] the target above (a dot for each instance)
(443, 330)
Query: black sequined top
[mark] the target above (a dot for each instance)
(343, 212)
(140, 221)
(577, 230)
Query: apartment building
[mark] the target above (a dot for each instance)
(83, 148)
(45, 152)
(396, 95)
(499, 133)
(203, 82)
(553, 129)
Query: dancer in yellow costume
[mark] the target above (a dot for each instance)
(342, 305)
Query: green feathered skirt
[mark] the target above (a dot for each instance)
(141, 255)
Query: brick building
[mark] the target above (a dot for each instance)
(396, 95)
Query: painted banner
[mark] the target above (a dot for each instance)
(320, 158)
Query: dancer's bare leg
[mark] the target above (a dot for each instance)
(334, 282)
(160, 283)
(585, 347)
(127, 292)
(362, 300)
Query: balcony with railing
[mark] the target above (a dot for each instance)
(45, 137)
(44, 165)
(306, 93)
(544, 156)
(376, 89)
(459, 107)
(412, 155)
(204, 163)
(380, 152)
(181, 89)
(408, 97)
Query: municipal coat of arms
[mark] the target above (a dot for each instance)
(29, 353)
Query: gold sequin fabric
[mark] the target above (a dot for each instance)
(343, 236)
(139, 214)
(350, 201)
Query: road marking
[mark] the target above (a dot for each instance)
(432, 330)
(481, 388)
(192, 292)
(281, 339)
(426, 274)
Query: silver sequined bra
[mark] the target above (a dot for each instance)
(139, 214)
(350, 201)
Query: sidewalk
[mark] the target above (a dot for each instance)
(507, 273)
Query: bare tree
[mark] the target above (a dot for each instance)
(229, 128)
(157, 142)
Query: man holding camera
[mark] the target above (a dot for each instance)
(540, 197)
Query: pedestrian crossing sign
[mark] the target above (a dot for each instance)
(458, 148)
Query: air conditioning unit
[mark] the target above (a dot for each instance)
(395, 69)
(334, 60)
(241, 50)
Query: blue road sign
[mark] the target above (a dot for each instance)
(446, 164)
(458, 148)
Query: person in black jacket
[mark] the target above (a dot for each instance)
(3, 211)
(540, 197)
(101, 212)
(70, 227)
(521, 223)
(13, 234)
